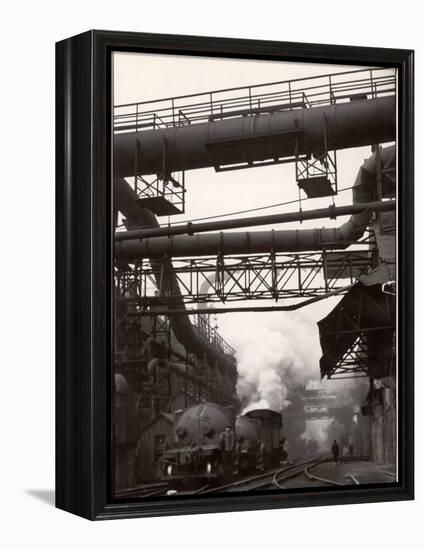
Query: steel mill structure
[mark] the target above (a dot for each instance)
(168, 356)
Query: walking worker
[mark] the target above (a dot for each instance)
(335, 449)
(227, 446)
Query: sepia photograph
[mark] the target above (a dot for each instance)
(213, 244)
(255, 308)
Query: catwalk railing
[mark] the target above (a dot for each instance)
(256, 99)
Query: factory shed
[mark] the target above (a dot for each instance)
(150, 445)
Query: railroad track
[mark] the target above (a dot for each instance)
(327, 481)
(277, 477)
(141, 491)
(267, 480)
(270, 479)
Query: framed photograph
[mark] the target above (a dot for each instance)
(234, 274)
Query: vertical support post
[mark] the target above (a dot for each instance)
(169, 373)
(136, 151)
(186, 382)
(299, 276)
(183, 191)
(164, 176)
(379, 186)
(274, 290)
(325, 266)
(373, 92)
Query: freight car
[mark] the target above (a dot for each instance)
(195, 447)
(248, 443)
(269, 434)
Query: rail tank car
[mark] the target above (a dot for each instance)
(193, 448)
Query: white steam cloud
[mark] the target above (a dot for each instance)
(275, 352)
(317, 430)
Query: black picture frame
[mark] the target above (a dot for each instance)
(84, 270)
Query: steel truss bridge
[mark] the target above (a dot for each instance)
(238, 278)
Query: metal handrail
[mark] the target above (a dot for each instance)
(246, 100)
(211, 335)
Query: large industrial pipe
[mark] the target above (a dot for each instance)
(256, 138)
(181, 325)
(253, 242)
(272, 219)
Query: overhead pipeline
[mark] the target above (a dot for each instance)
(255, 242)
(255, 138)
(190, 228)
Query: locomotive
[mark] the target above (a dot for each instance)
(195, 448)
(269, 424)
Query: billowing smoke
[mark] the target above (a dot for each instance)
(275, 352)
(280, 351)
(317, 431)
(267, 366)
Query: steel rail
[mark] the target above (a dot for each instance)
(259, 481)
(283, 476)
(238, 483)
(313, 477)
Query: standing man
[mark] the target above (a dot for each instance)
(227, 446)
(335, 449)
(283, 452)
